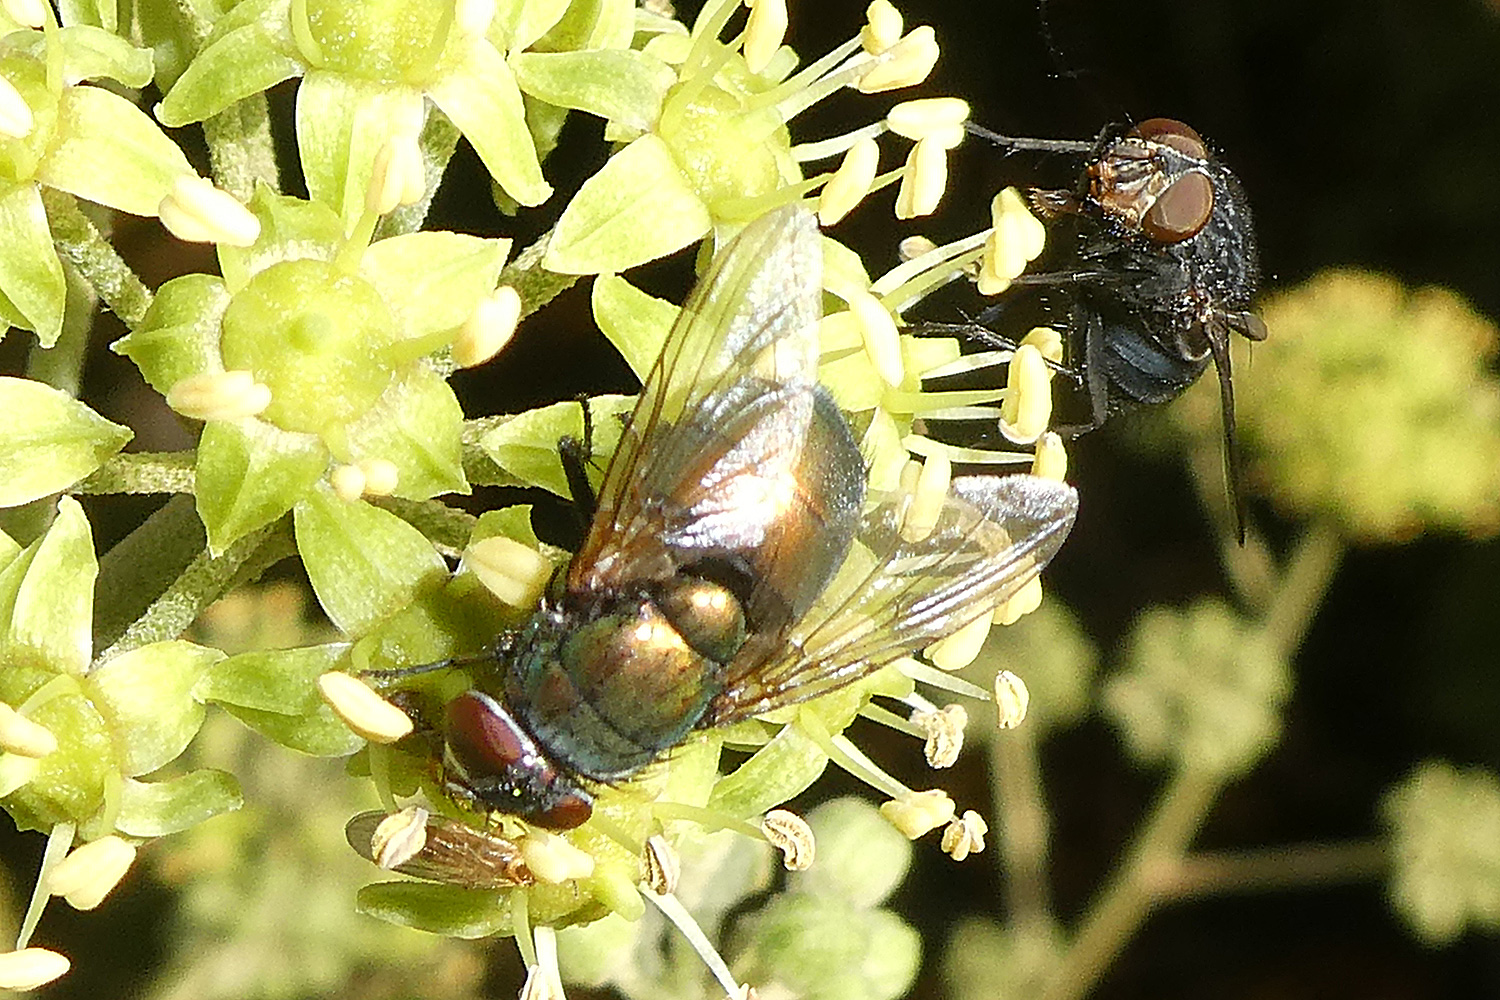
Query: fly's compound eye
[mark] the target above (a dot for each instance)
(1182, 210)
(565, 812)
(1170, 132)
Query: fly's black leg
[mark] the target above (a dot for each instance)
(576, 455)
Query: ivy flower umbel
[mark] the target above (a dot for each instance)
(309, 360)
(367, 71)
(705, 127)
(58, 132)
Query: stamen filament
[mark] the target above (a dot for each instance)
(59, 842)
(674, 911)
(933, 677)
(806, 152)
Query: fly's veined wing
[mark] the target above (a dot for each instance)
(455, 853)
(717, 435)
(893, 596)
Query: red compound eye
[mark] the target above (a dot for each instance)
(1180, 211)
(1170, 132)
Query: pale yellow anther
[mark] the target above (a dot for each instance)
(20, 735)
(923, 180)
(660, 868)
(956, 651)
(31, 968)
(929, 495)
(89, 873)
(929, 116)
(763, 32)
(918, 813)
(16, 121)
(1011, 700)
(197, 212)
(488, 328)
(515, 573)
(552, 859)
(883, 26)
(31, 13)
(1025, 601)
(790, 834)
(1051, 459)
(1027, 406)
(1017, 240)
(877, 331)
(473, 17)
(362, 708)
(850, 182)
(397, 177)
(1046, 340)
(904, 64)
(381, 476)
(348, 482)
(945, 734)
(399, 837)
(913, 247)
(231, 395)
(965, 836)
(16, 772)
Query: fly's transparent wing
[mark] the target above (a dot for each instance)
(894, 596)
(455, 853)
(717, 437)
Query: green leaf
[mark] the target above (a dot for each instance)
(418, 425)
(634, 322)
(157, 808)
(249, 474)
(52, 616)
(51, 440)
(146, 696)
(620, 85)
(250, 51)
(91, 53)
(109, 152)
(433, 281)
(30, 274)
(364, 563)
(342, 121)
(449, 910)
(179, 335)
(480, 96)
(638, 207)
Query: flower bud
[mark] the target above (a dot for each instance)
(552, 858)
(381, 476)
(31, 968)
(31, 13)
(397, 177)
(16, 120)
(488, 328)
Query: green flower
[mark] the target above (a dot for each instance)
(59, 132)
(112, 721)
(367, 70)
(310, 356)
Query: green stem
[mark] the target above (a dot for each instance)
(204, 581)
(1293, 866)
(82, 245)
(241, 149)
(536, 285)
(1302, 586)
(1024, 826)
(446, 527)
(142, 472)
(143, 565)
(61, 365)
(1130, 893)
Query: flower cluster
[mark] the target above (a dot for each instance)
(316, 362)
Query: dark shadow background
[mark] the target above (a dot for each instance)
(1365, 134)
